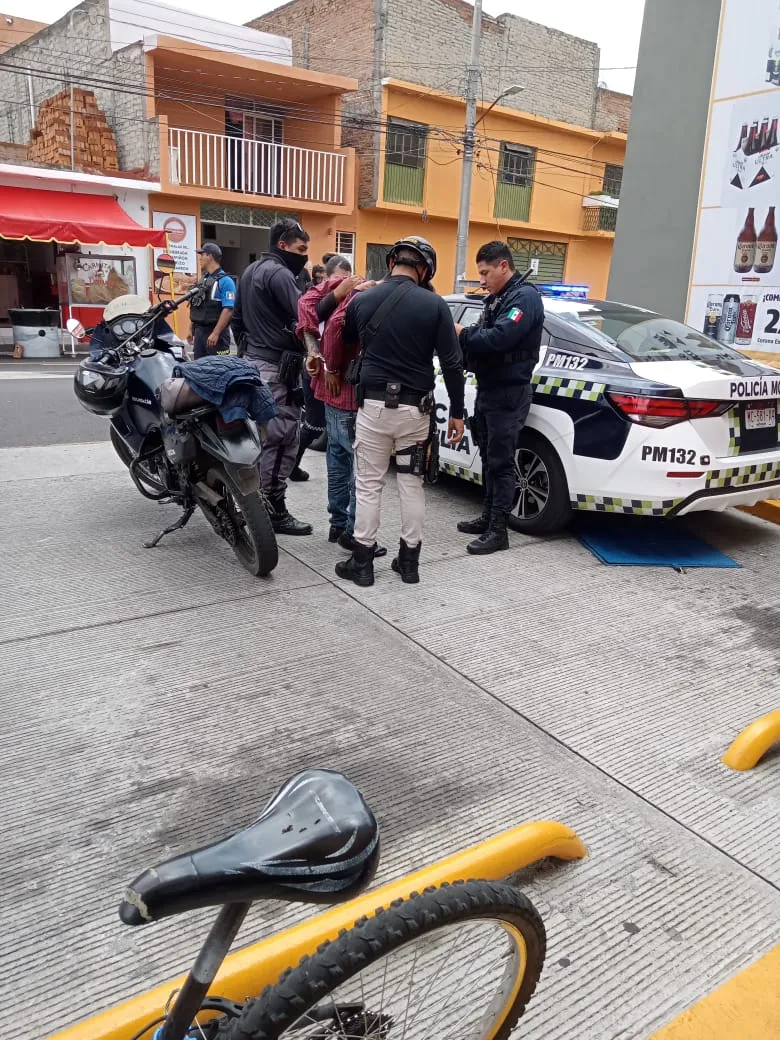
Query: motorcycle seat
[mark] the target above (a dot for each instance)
(177, 396)
(316, 841)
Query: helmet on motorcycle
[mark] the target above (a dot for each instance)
(424, 250)
(100, 387)
(124, 306)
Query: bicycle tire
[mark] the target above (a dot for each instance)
(370, 939)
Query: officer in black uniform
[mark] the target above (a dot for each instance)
(212, 309)
(502, 351)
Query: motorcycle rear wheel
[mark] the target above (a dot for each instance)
(255, 543)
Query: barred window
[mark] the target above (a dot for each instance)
(517, 165)
(406, 143)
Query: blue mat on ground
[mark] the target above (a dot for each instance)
(628, 541)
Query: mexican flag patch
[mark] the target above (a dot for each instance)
(515, 314)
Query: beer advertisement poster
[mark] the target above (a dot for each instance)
(735, 281)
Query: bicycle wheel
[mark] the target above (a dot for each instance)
(458, 962)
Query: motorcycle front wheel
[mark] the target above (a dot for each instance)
(245, 524)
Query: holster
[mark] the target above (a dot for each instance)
(352, 375)
(290, 368)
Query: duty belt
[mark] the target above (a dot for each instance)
(412, 397)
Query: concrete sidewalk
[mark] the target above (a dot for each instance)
(154, 699)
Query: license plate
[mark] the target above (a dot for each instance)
(760, 418)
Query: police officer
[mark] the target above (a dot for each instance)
(265, 318)
(212, 309)
(501, 351)
(400, 325)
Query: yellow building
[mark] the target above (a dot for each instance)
(534, 185)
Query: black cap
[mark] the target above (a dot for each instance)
(210, 249)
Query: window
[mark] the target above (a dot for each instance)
(406, 144)
(517, 165)
(516, 168)
(345, 245)
(405, 154)
(376, 260)
(613, 181)
(470, 316)
(549, 258)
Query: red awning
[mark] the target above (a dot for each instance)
(71, 217)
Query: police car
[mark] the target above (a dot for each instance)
(632, 413)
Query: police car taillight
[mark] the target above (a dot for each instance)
(660, 412)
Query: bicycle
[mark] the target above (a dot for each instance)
(368, 968)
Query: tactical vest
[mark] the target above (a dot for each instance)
(204, 310)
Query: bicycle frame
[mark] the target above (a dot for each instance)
(249, 971)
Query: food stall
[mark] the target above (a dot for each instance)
(70, 252)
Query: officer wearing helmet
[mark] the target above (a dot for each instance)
(400, 324)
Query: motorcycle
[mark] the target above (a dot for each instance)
(193, 458)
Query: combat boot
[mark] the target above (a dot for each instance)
(480, 524)
(493, 540)
(282, 520)
(359, 567)
(407, 563)
(347, 541)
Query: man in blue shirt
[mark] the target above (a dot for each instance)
(212, 309)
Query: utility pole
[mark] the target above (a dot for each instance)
(472, 79)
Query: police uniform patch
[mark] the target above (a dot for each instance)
(515, 314)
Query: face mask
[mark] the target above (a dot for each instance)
(295, 261)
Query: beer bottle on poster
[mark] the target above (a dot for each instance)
(714, 312)
(727, 326)
(763, 135)
(743, 138)
(766, 247)
(745, 255)
(773, 140)
(752, 145)
(746, 320)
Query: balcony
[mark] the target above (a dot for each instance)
(600, 214)
(214, 163)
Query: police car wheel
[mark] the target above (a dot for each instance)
(542, 503)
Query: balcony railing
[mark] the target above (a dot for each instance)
(204, 160)
(600, 218)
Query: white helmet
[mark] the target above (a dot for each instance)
(126, 306)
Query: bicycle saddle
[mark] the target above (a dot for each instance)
(316, 841)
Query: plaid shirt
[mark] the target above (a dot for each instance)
(334, 352)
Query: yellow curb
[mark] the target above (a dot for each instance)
(747, 1007)
(769, 510)
(246, 972)
(753, 743)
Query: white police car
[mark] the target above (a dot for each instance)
(632, 413)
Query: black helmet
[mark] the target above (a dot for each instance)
(100, 387)
(421, 246)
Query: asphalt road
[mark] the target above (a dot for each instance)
(38, 406)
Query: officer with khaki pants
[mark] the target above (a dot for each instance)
(401, 325)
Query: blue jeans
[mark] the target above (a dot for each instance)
(340, 459)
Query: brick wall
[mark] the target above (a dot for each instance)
(78, 44)
(613, 110)
(428, 41)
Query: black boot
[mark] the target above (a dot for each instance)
(336, 534)
(359, 567)
(347, 541)
(493, 540)
(307, 435)
(407, 563)
(481, 523)
(282, 520)
(477, 526)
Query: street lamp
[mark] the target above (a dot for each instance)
(468, 147)
(514, 89)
